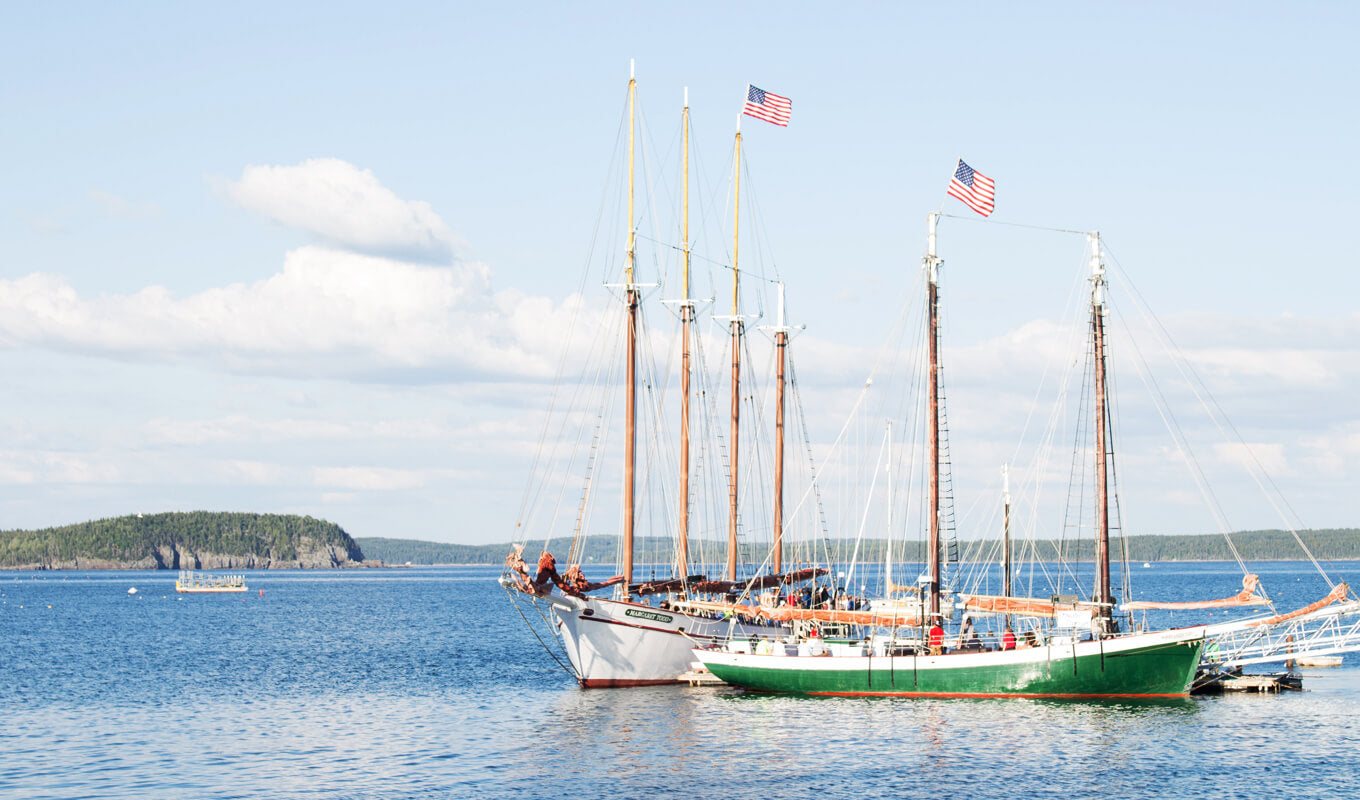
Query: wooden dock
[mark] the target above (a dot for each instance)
(698, 676)
(1261, 684)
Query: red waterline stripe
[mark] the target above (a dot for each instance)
(986, 694)
(622, 683)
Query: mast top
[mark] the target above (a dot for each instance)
(781, 325)
(1097, 269)
(1006, 482)
(632, 63)
(933, 261)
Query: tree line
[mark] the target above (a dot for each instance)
(136, 537)
(1341, 544)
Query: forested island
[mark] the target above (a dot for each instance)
(231, 540)
(185, 540)
(1332, 544)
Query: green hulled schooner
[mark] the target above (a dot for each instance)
(1096, 660)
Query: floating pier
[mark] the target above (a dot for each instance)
(1274, 683)
(698, 675)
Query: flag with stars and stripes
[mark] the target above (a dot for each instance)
(976, 190)
(767, 106)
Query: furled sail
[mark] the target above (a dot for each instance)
(763, 582)
(1246, 597)
(1338, 593)
(884, 618)
(1026, 606)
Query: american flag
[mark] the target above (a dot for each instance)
(767, 106)
(973, 188)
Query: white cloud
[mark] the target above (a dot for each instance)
(1295, 368)
(51, 466)
(240, 471)
(1254, 455)
(1335, 453)
(122, 208)
(369, 478)
(239, 429)
(328, 312)
(47, 223)
(345, 205)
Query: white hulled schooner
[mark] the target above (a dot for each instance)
(644, 634)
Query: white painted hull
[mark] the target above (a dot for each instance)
(612, 643)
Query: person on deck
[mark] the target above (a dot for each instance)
(1008, 639)
(936, 638)
(968, 636)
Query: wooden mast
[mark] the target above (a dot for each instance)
(887, 549)
(630, 437)
(736, 368)
(686, 316)
(1104, 595)
(781, 341)
(933, 343)
(1006, 537)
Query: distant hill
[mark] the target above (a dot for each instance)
(230, 540)
(599, 549)
(1334, 544)
(184, 540)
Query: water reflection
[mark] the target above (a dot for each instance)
(421, 684)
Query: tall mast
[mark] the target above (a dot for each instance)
(686, 316)
(630, 438)
(781, 341)
(887, 550)
(933, 263)
(1104, 595)
(1006, 536)
(736, 369)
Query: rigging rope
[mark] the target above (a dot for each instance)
(1220, 419)
(534, 631)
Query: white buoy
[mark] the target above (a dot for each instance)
(133, 590)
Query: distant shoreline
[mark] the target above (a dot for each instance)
(1333, 544)
(245, 541)
(484, 564)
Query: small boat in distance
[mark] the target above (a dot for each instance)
(189, 582)
(1319, 661)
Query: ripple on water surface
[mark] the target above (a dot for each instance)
(412, 683)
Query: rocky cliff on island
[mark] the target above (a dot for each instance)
(185, 540)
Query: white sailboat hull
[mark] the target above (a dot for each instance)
(611, 643)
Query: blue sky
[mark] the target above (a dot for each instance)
(317, 258)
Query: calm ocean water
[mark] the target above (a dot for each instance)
(425, 683)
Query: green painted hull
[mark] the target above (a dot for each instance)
(1149, 665)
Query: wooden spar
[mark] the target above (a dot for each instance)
(781, 341)
(887, 550)
(736, 371)
(1104, 594)
(933, 338)
(630, 437)
(686, 315)
(1006, 537)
